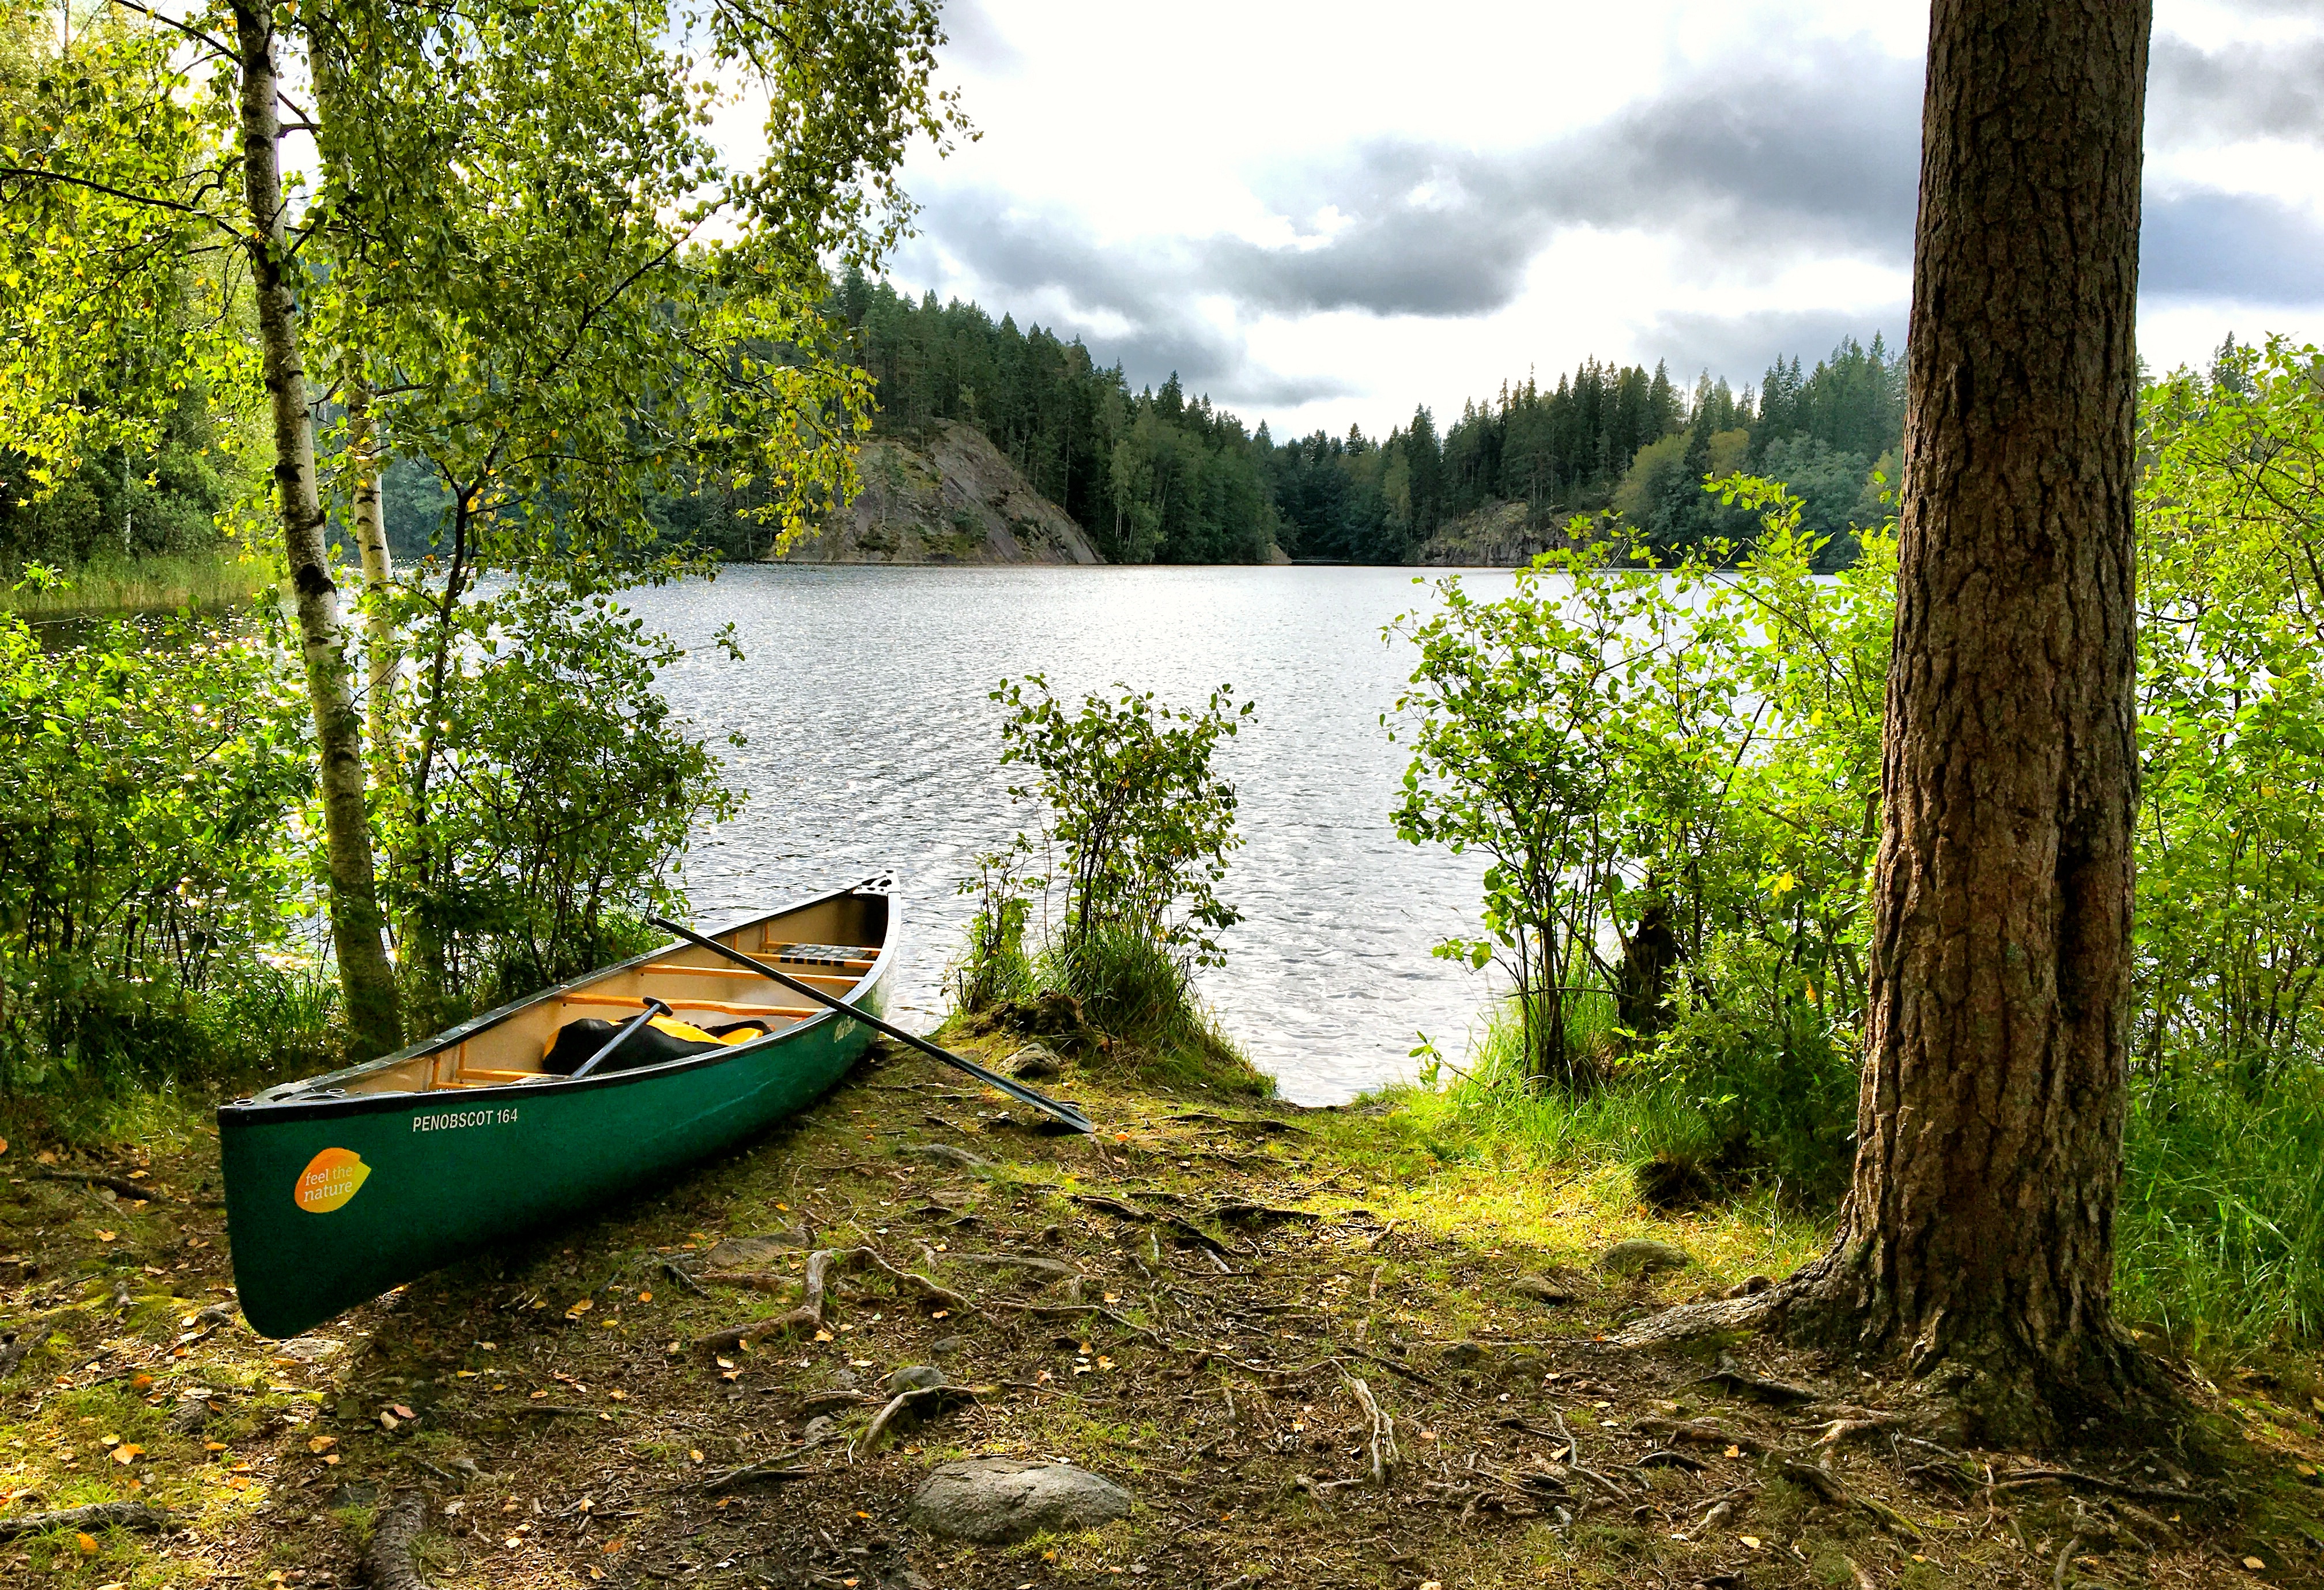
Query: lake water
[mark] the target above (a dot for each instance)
(871, 745)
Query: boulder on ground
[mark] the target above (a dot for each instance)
(1552, 1289)
(754, 1252)
(915, 1377)
(995, 1501)
(1036, 1062)
(1642, 1256)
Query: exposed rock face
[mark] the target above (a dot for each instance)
(995, 1500)
(947, 496)
(1496, 536)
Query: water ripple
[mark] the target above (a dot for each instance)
(872, 744)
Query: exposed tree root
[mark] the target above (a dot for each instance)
(811, 1313)
(388, 1563)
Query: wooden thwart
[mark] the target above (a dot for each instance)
(692, 1005)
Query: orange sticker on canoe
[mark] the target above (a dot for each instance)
(330, 1179)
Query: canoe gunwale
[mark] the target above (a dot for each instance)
(310, 1099)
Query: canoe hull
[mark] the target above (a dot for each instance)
(331, 1202)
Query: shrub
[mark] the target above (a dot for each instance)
(149, 844)
(1138, 826)
(554, 792)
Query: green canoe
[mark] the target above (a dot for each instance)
(341, 1186)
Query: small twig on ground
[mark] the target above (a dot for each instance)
(118, 1184)
(2065, 1558)
(1702, 1433)
(918, 1401)
(1809, 1477)
(1066, 1310)
(2044, 1476)
(810, 1313)
(1381, 1444)
(765, 1470)
(678, 1273)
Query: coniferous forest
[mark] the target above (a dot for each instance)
(1157, 475)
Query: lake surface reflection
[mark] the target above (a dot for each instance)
(871, 744)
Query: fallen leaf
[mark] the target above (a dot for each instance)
(331, 1458)
(213, 1445)
(725, 1363)
(823, 1335)
(106, 1236)
(537, 1396)
(388, 1421)
(321, 1443)
(1733, 1452)
(401, 1411)
(695, 1455)
(127, 1453)
(88, 1543)
(619, 1396)
(645, 1297)
(579, 1308)
(48, 1157)
(1750, 1540)
(2253, 1563)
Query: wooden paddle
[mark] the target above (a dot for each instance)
(1056, 1109)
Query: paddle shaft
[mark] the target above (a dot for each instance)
(1054, 1108)
(654, 1007)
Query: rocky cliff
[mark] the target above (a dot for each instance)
(1496, 536)
(944, 496)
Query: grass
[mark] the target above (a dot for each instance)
(158, 584)
(1143, 994)
(2220, 1234)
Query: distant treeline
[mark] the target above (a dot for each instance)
(1156, 477)
(1152, 476)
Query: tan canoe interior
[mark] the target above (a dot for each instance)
(698, 987)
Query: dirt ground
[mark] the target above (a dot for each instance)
(1315, 1349)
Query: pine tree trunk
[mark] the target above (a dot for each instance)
(365, 977)
(1977, 1243)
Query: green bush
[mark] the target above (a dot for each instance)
(559, 792)
(1138, 826)
(149, 845)
(1717, 752)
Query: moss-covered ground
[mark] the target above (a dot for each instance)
(1227, 1281)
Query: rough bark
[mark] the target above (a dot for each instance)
(1977, 1246)
(366, 979)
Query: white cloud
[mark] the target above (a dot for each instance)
(1326, 214)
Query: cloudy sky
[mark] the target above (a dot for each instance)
(1321, 214)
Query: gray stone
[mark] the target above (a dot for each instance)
(915, 1377)
(751, 1253)
(995, 1501)
(945, 1153)
(845, 1380)
(818, 1429)
(949, 1345)
(1551, 1289)
(1465, 1354)
(1036, 1062)
(1642, 1256)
